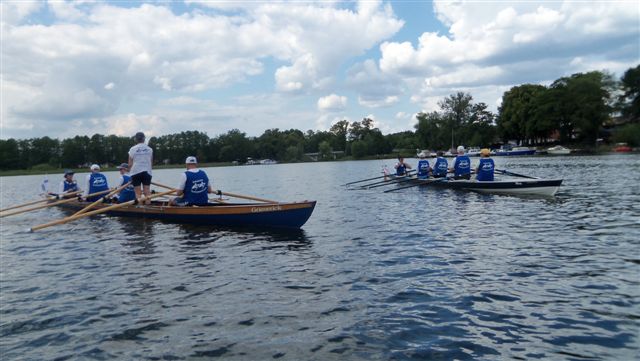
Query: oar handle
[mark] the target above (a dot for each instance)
(503, 171)
(100, 199)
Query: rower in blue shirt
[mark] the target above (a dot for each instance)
(194, 186)
(128, 193)
(401, 167)
(441, 166)
(94, 183)
(484, 171)
(462, 165)
(423, 167)
(68, 186)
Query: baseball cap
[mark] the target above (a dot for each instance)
(123, 166)
(68, 171)
(460, 148)
(95, 167)
(191, 160)
(485, 151)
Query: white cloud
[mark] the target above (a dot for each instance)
(332, 103)
(109, 86)
(378, 102)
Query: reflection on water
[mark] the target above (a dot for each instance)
(416, 274)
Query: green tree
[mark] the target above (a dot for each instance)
(518, 118)
(9, 154)
(324, 148)
(629, 101)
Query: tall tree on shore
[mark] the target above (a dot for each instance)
(629, 101)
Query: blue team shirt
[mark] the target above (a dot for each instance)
(128, 193)
(462, 165)
(401, 169)
(485, 170)
(441, 167)
(97, 183)
(423, 169)
(70, 186)
(196, 188)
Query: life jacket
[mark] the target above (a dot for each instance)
(70, 186)
(423, 169)
(462, 165)
(485, 169)
(441, 167)
(128, 193)
(196, 188)
(97, 183)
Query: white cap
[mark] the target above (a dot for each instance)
(95, 167)
(191, 160)
(460, 149)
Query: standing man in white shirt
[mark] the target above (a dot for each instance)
(140, 161)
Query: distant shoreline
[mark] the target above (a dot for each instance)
(21, 172)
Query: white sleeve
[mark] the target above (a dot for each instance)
(183, 181)
(61, 188)
(86, 185)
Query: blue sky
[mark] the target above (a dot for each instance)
(78, 67)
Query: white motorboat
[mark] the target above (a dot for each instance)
(558, 150)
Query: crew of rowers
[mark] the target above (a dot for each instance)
(135, 181)
(461, 168)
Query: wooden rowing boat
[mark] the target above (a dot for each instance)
(539, 187)
(278, 214)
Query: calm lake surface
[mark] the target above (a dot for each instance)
(425, 274)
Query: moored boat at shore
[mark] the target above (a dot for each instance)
(278, 214)
(514, 151)
(558, 150)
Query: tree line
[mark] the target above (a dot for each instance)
(580, 108)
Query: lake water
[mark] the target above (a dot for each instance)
(427, 274)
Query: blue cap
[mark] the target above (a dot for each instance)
(68, 171)
(123, 166)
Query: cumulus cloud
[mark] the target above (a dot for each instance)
(332, 103)
(149, 49)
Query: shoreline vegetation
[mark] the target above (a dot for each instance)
(589, 111)
(53, 171)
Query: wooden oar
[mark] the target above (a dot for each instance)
(515, 174)
(99, 200)
(248, 197)
(422, 183)
(35, 202)
(386, 180)
(165, 186)
(369, 179)
(393, 181)
(97, 211)
(50, 204)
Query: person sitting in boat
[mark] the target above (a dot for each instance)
(484, 171)
(462, 165)
(401, 167)
(194, 186)
(127, 194)
(68, 186)
(423, 167)
(441, 166)
(94, 183)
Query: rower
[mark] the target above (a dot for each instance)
(462, 165)
(95, 182)
(127, 194)
(484, 171)
(140, 162)
(401, 167)
(194, 186)
(441, 166)
(423, 167)
(67, 185)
